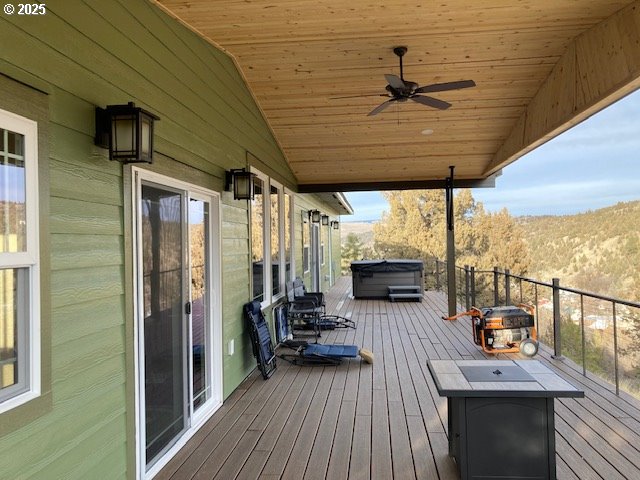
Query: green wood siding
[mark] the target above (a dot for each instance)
(82, 55)
(304, 203)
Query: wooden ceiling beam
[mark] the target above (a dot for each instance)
(599, 67)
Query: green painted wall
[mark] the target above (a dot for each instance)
(87, 54)
(302, 204)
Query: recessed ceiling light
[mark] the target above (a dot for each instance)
(427, 131)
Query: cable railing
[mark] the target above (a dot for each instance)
(598, 332)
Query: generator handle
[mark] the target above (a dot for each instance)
(527, 307)
(473, 312)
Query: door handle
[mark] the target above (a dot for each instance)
(187, 308)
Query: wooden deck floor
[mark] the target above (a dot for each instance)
(386, 420)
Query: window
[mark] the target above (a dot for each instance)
(19, 275)
(288, 253)
(306, 235)
(322, 254)
(305, 259)
(257, 239)
(277, 280)
(271, 238)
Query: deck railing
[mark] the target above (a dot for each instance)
(599, 333)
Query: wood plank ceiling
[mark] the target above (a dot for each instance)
(300, 56)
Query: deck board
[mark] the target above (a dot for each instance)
(386, 420)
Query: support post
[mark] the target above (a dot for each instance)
(557, 318)
(473, 285)
(451, 245)
(437, 275)
(467, 288)
(496, 291)
(507, 287)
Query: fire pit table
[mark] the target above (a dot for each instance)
(501, 416)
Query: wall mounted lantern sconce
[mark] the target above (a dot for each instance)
(325, 219)
(315, 216)
(127, 131)
(242, 181)
(335, 224)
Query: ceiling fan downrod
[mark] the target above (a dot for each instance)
(400, 51)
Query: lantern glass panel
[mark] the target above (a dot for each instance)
(123, 135)
(242, 186)
(145, 137)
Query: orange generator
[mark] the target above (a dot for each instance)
(509, 329)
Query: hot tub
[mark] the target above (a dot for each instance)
(372, 278)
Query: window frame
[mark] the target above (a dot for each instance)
(266, 240)
(28, 386)
(292, 237)
(281, 241)
(306, 242)
(268, 297)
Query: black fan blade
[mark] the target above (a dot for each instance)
(395, 81)
(443, 87)
(431, 102)
(380, 107)
(359, 96)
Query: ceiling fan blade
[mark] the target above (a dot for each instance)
(359, 96)
(380, 107)
(395, 81)
(431, 102)
(443, 87)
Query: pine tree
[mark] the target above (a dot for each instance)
(351, 250)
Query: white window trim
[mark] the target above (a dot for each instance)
(292, 237)
(216, 358)
(266, 240)
(268, 297)
(281, 270)
(31, 258)
(306, 246)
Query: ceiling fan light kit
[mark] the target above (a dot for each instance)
(401, 90)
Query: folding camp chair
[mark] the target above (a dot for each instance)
(304, 312)
(305, 353)
(300, 292)
(260, 339)
(319, 354)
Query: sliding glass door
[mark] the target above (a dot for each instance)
(164, 317)
(179, 332)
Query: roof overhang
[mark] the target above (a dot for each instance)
(541, 66)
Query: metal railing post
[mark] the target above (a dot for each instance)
(473, 285)
(615, 348)
(437, 274)
(496, 294)
(507, 287)
(583, 339)
(557, 319)
(467, 287)
(520, 285)
(535, 301)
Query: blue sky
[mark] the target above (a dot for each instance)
(593, 165)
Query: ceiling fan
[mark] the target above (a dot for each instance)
(401, 90)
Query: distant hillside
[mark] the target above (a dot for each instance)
(597, 250)
(364, 231)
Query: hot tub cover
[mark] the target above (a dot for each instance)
(377, 266)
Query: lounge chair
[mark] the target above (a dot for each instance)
(305, 353)
(260, 339)
(307, 310)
